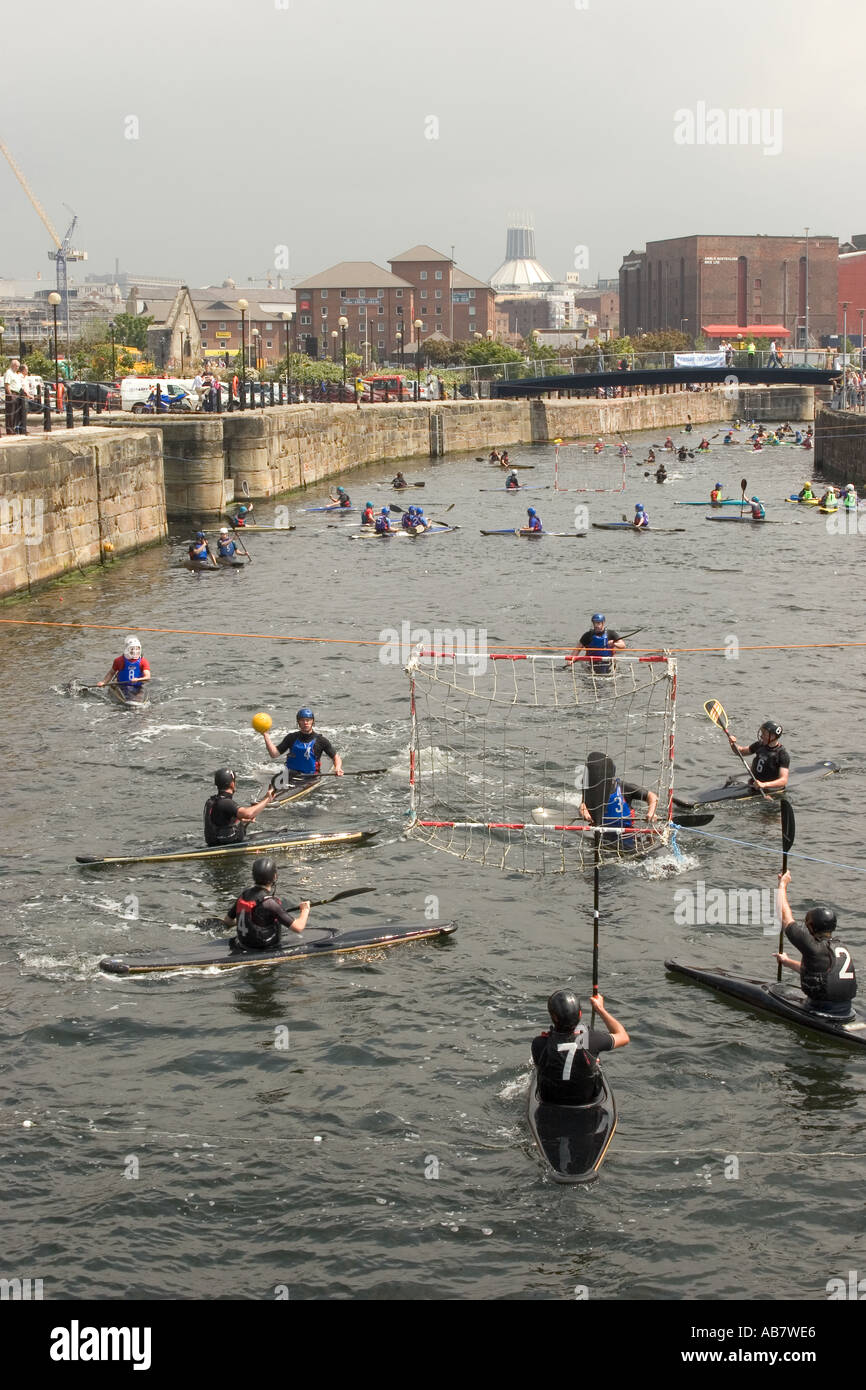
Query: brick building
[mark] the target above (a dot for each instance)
(852, 284)
(447, 300)
(756, 284)
(377, 304)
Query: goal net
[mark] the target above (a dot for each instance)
(521, 761)
(586, 468)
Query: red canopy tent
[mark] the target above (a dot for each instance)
(751, 330)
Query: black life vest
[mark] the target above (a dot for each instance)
(257, 926)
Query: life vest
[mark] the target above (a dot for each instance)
(617, 812)
(301, 756)
(383, 525)
(758, 512)
(715, 495)
(257, 928)
(535, 524)
(227, 548)
(128, 671)
(221, 834)
(829, 984)
(199, 552)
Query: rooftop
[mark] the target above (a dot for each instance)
(351, 275)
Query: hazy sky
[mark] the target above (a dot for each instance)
(305, 123)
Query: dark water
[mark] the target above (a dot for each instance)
(310, 1166)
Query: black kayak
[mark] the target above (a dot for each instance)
(639, 530)
(261, 846)
(784, 1001)
(739, 789)
(224, 562)
(572, 1138)
(219, 955)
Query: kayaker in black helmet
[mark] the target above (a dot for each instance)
(226, 823)
(826, 971)
(772, 762)
(259, 916)
(566, 1058)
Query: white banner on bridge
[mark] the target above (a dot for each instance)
(699, 359)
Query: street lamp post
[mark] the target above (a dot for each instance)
(844, 354)
(334, 336)
(419, 324)
(399, 336)
(243, 305)
(287, 320)
(806, 295)
(54, 300)
(20, 340)
(111, 328)
(862, 312)
(344, 324)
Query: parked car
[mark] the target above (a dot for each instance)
(105, 391)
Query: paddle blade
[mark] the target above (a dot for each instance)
(743, 485)
(788, 826)
(716, 712)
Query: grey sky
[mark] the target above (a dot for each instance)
(305, 126)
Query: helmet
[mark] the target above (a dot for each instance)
(850, 487)
(265, 870)
(369, 504)
(242, 511)
(770, 727)
(756, 499)
(224, 530)
(564, 1009)
(598, 618)
(132, 648)
(638, 506)
(530, 511)
(341, 489)
(223, 778)
(199, 535)
(305, 713)
(821, 919)
(719, 486)
(384, 511)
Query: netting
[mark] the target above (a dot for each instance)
(516, 760)
(583, 468)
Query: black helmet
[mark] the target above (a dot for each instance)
(564, 1009)
(265, 870)
(821, 919)
(223, 778)
(770, 727)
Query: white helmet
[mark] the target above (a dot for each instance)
(132, 648)
(224, 530)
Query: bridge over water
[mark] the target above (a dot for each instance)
(582, 382)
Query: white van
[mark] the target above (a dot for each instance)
(134, 391)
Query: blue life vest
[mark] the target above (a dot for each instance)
(600, 640)
(199, 551)
(383, 525)
(535, 524)
(618, 813)
(407, 522)
(301, 757)
(227, 548)
(128, 671)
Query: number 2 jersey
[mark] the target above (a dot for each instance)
(826, 973)
(567, 1064)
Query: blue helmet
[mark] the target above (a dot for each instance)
(531, 511)
(756, 499)
(199, 535)
(384, 511)
(305, 713)
(639, 506)
(598, 618)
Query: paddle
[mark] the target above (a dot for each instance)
(716, 713)
(238, 538)
(743, 486)
(320, 902)
(595, 915)
(693, 819)
(788, 829)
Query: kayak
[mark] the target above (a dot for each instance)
(725, 502)
(524, 487)
(519, 467)
(828, 511)
(324, 841)
(534, 535)
(242, 530)
(572, 1138)
(219, 955)
(134, 700)
(804, 502)
(371, 535)
(784, 1001)
(205, 567)
(628, 526)
(739, 789)
(335, 507)
(755, 520)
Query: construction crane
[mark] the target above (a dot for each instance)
(64, 250)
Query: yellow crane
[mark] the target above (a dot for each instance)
(64, 250)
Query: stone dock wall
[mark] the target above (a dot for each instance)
(72, 499)
(840, 447)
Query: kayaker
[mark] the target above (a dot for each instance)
(259, 916)
(199, 550)
(641, 517)
(342, 498)
(617, 810)
(566, 1057)
(661, 473)
(226, 823)
(798, 437)
(533, 521)
(729, 437)
(807, 442)
(682, 453)
(668, 444)
(399, 481)
(512, 482)
(494, 456)
(829, 499)
(716, 495)
(598, 446)
(651, 457)
(225, 545)
(826, 971)
(504, 460)
(413, 520)
(600, 643)
(421, 522)
(383, 522)
(806, 494)
(703, 446)
(758, 512)
(240, 517)
(772, 762)
(368, 515)
(129, 671)
(849, 498)
(303, 748)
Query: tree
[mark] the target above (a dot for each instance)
(132, 329)
(478, 354)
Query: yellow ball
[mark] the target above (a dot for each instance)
(261, 723)
(107, 546)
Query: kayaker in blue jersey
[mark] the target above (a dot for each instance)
(129, 671)
(259, 916)
(600, 644)
(826, 971)
(303, 749)
(566, 1057)
(407, 520)
(607, 799)
(421, 522)
(772, 764)
(758, 512)
(383, 522)
(641, 517)
(342, 498)
(533, 523)
(798, 437)
(512, 482)
(368, 516)
(225, 545)
(729, 438)
(199, 550)
(226, 823)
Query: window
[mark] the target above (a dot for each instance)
(757, 284)
(204, 345)
(381, 308)
(344, 294)
(471, 294)
(202, 326)
(362, 294)
(399, 294)
(222, 327)
(324, 311)
(323, 294)
(438, 274)
(423, 275)
(399, 307)
(269, 343)
(306, 318)
(423, 294)
(380, 294)
(471, 310)
(438, 294)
